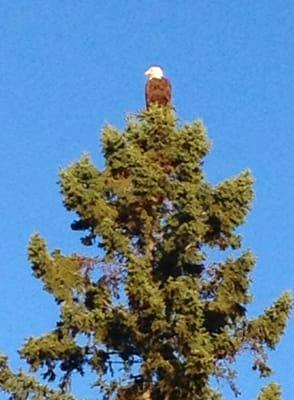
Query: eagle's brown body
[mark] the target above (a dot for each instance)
(158, 90)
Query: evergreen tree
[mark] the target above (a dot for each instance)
(160, 320)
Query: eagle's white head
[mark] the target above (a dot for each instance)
(154, 72)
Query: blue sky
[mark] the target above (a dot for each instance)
(67, 67)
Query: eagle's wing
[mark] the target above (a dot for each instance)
(158, 91)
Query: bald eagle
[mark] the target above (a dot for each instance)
(157, 88)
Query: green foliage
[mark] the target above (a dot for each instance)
(269, 327)
(20, 386)
(159, 308)
(271, 392)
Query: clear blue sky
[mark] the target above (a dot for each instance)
(67, 67)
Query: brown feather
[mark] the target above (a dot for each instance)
(158, 91)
